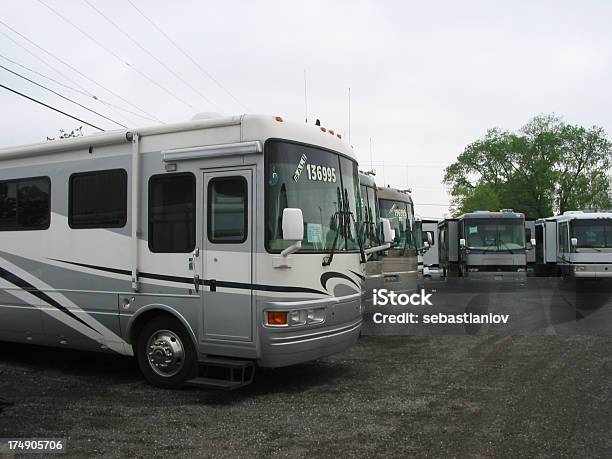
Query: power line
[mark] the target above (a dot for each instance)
(81, 91)
(50, 107)
(80, 73)
(159, 61)
(94, 97)
(115, 55)
(62, 96)
(188, 56)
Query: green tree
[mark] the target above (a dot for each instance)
(547, 166)
(479, 197)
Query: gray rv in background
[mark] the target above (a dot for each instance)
(483, 245)
(400, 261)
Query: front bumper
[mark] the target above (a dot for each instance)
(592, 271)
(285, 346)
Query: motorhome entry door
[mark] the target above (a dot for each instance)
(227, 258)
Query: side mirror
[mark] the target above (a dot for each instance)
(426, 245)
(388, 233)
(293, 230)
(293, 224)
(462, 242)
(429, 239)
(533, 242)
(574, 241)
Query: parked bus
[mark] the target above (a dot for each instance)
(576, 244)
(400, 261)
(214, 244)
(483, 245)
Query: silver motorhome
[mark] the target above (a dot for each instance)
(577, 244)
(400, 261)
(483, 244)
(373, 233)
(227, 242)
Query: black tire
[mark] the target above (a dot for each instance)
(166, 326)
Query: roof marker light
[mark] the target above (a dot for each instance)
(331, 132)
(279, 119)
(323, 129)
(339, 136)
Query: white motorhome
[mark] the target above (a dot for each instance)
(215, 243)
(430, 257)
(576, 243)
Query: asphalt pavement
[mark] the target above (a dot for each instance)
(458, 394)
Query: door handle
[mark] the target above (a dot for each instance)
(196, 277)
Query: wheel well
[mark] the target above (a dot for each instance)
(143, 319)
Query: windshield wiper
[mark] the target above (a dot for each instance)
(337, 216)
(507, 248)
(343, 219)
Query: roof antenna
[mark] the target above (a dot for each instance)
(349, 115)
(305, 97)
(317, 122)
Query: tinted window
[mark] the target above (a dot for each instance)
(172, 213)
(227, 210)
(98, 199)
(25, 204)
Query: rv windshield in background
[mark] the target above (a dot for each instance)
(495, 235)
(592, 234)
(324, 184)
(401, 217)
(369, 212)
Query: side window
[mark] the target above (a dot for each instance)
(98, 199)
(25, 204)
(172, 200)
(227, 210)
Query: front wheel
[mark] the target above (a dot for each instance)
(165, 352)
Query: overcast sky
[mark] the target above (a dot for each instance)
(426, 79)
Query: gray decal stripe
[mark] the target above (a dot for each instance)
(206, 282)
(19, 282)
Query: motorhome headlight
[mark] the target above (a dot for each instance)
(472, 270)
(295, 317)
(579, 268)
(520, 270)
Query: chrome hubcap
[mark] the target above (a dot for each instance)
(165, 353)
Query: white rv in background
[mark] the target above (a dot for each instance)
(431, 264)
(226, 243)
(530, 237)
(576, 243)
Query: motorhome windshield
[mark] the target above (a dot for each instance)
(324, 184)
(401, 217)
(596, 233)
(495, 235)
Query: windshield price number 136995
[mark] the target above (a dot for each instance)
(321, 173)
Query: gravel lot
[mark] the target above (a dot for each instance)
(387, 396)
